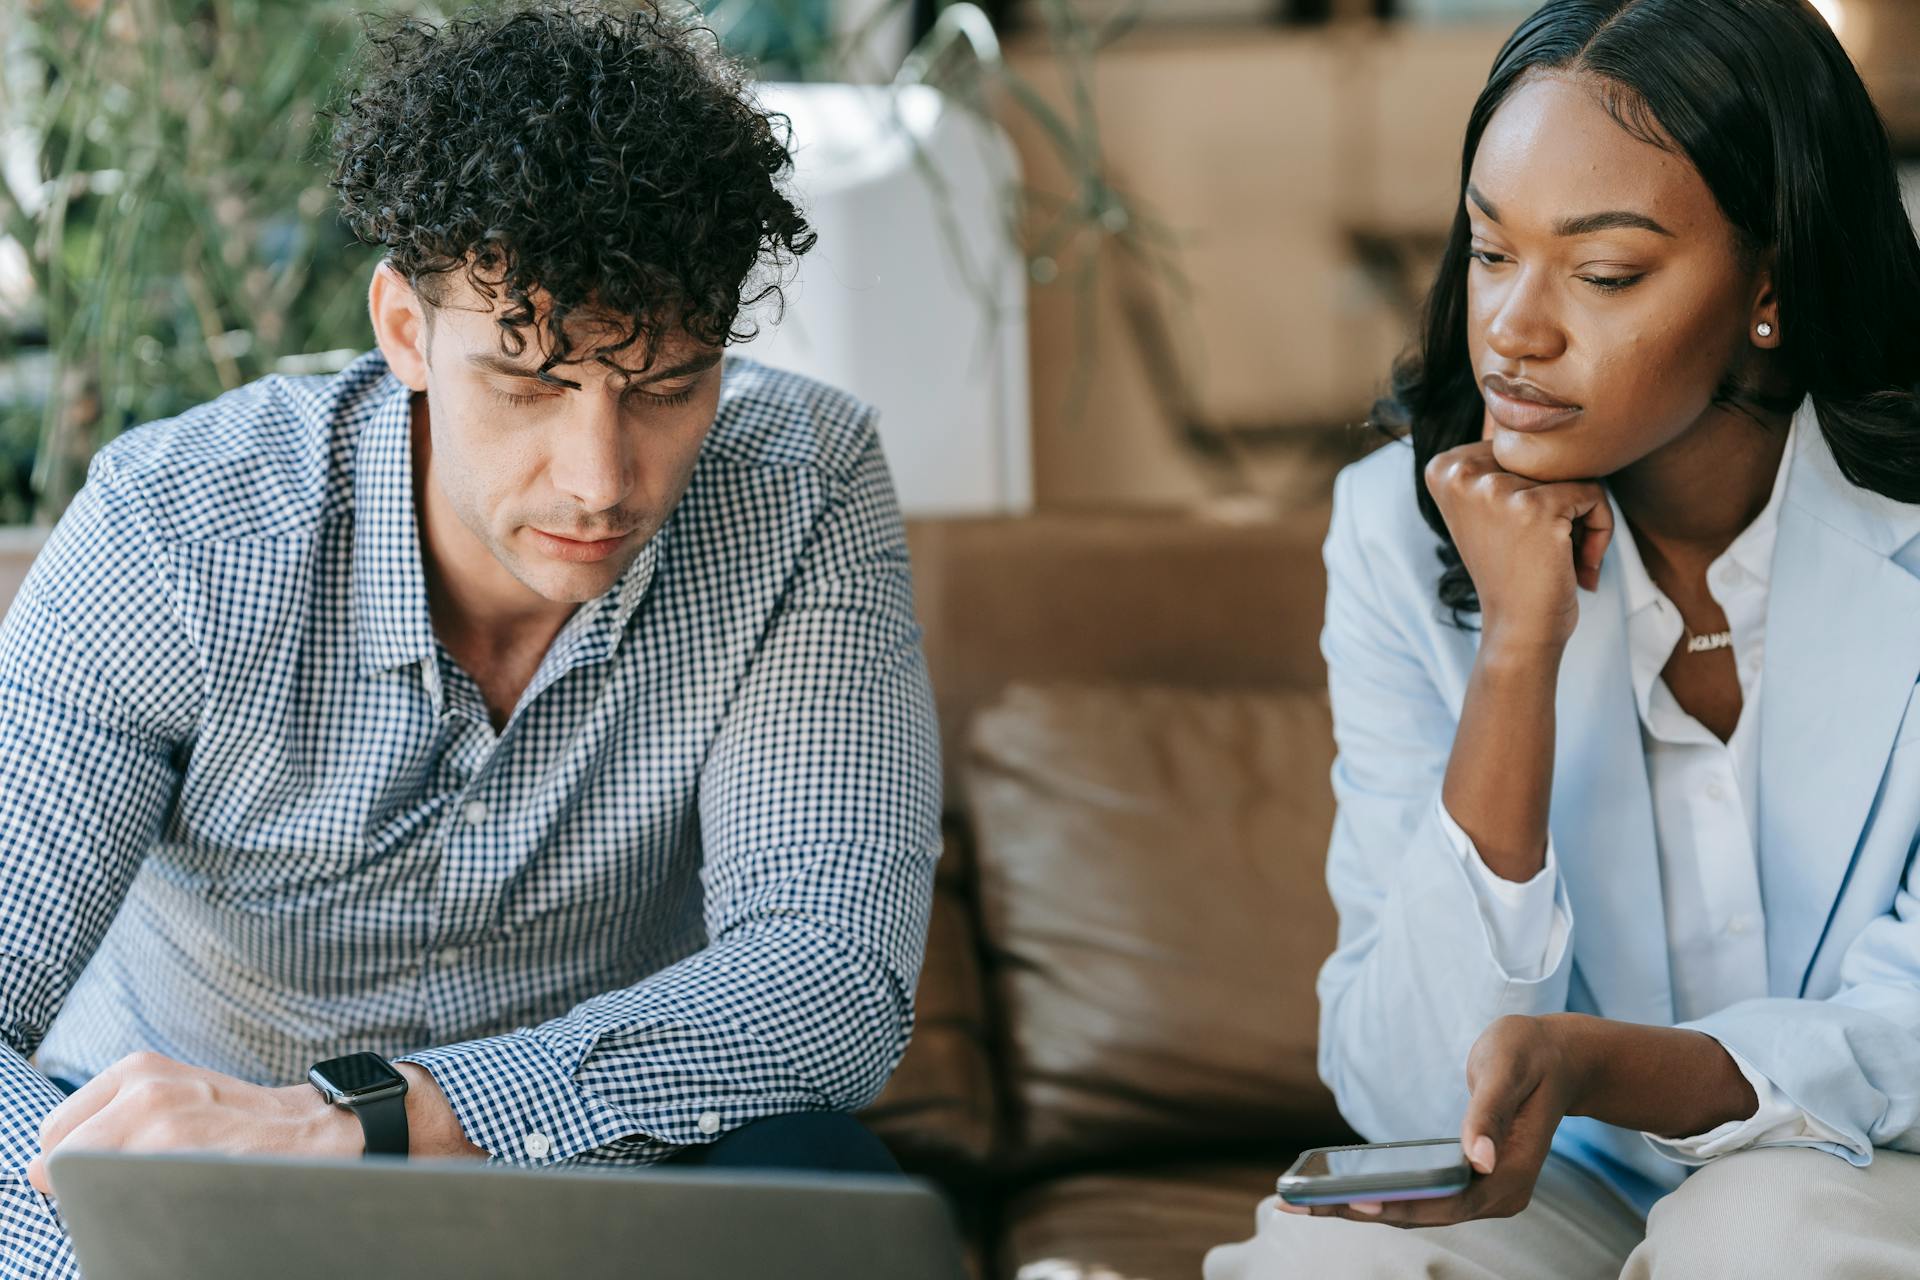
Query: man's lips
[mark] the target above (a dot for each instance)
(577, 550)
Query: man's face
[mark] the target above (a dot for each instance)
(1605, 279)
(563, 486)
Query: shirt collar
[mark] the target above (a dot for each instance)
(393, 622)
(393, 626)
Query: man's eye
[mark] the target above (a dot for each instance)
(673, 397)
(507, 397)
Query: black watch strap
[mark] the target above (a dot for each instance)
(384, 1121)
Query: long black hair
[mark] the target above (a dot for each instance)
(1761, 98)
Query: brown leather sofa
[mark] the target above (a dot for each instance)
(1115, 1053)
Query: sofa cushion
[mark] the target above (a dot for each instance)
(1145, 1224)
(938, 1113)
(1162, 598)
(1154, 914)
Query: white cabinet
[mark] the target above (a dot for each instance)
(915, 297)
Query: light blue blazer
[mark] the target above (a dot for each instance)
(1414, 981)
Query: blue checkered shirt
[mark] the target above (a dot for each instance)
(256, 816)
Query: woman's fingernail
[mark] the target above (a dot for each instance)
(1368, 1208)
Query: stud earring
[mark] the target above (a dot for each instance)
(1764, 329)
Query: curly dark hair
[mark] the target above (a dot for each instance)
(608, 157)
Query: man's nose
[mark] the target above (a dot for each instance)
(591, 462)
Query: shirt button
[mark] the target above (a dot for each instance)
(709, 1122)
(447, 957)
(538, 1145)
(1739, 925)
(1716, 792)
(475, 812)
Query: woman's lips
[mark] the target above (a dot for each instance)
(575, 550)
(1516, 414)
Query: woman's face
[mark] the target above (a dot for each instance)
(1607, 298)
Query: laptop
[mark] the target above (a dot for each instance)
(206, 1217)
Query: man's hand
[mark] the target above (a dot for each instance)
(148, 1102)
(1525, 1078)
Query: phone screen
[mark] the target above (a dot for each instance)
(1383, 1160)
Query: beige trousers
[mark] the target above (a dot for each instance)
(1766, 1214)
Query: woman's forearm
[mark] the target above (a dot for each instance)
(1499, 779)
(1666, 1081)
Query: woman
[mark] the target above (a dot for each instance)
(1628, 782)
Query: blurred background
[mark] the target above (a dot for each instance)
(1080, 252)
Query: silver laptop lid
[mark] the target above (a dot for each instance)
(171, 1216)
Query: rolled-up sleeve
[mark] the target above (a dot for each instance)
(1527, 922)
(1851, 1060)
(99, 689)
(1417, 972)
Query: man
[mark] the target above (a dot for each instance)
(538, 701)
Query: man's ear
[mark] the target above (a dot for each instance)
(399, 325)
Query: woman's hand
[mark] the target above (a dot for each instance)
(1524, 544)
(1525, 1078)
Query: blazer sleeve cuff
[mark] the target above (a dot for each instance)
(1527, 924)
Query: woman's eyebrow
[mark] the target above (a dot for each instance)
(1586, 223)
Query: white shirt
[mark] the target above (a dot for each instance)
(1705, 807)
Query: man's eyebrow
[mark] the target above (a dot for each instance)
(500, 364)
(686, 368)
(1585, 224)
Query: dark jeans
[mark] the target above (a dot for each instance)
(826, 1141)
(823, 1141)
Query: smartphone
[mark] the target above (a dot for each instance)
(1378, 1172)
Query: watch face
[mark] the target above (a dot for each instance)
(357, 1076)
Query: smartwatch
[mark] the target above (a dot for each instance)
(367, 1085)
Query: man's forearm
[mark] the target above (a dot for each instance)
(1666, 1081)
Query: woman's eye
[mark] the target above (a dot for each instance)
(1486, 256)
(1613, 284)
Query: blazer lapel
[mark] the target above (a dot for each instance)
(1602, 817)
(1842, 655)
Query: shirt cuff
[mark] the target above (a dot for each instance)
(1527, 923)
(517, 1102)
(1776, 1121)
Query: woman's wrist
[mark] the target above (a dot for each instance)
(1505, 651)
(1579, 1039)
(1673, 1082)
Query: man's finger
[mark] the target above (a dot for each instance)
(79, 1107)
(109, 1128)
